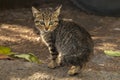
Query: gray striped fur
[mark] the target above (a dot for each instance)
(64, 38)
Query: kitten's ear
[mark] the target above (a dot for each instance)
(35, 11)
(57, 10)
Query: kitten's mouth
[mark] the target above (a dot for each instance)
(47, 30)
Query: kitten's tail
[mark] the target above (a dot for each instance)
(77, 59)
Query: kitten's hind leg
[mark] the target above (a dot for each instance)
(74, 70)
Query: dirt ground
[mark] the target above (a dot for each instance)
(16, 32)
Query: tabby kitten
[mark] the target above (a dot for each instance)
(67, 42)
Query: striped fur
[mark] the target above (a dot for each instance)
(65, 38)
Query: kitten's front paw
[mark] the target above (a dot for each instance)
(73, 70)
(52, 64)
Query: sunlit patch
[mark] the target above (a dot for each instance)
(37, 76)
(15, 33)
(105, 43)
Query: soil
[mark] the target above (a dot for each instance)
(16, 32)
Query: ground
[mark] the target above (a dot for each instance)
(16, 32)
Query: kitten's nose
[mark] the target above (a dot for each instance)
(46, 28)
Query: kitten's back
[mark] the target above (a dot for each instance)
(74, 42)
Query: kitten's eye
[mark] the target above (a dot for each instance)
(51, 23)
(56, 21)
(36, 21)
(42, 23)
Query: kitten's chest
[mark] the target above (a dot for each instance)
(43, 39)
(47, 38)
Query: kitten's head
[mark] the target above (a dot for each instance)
(46, 19)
